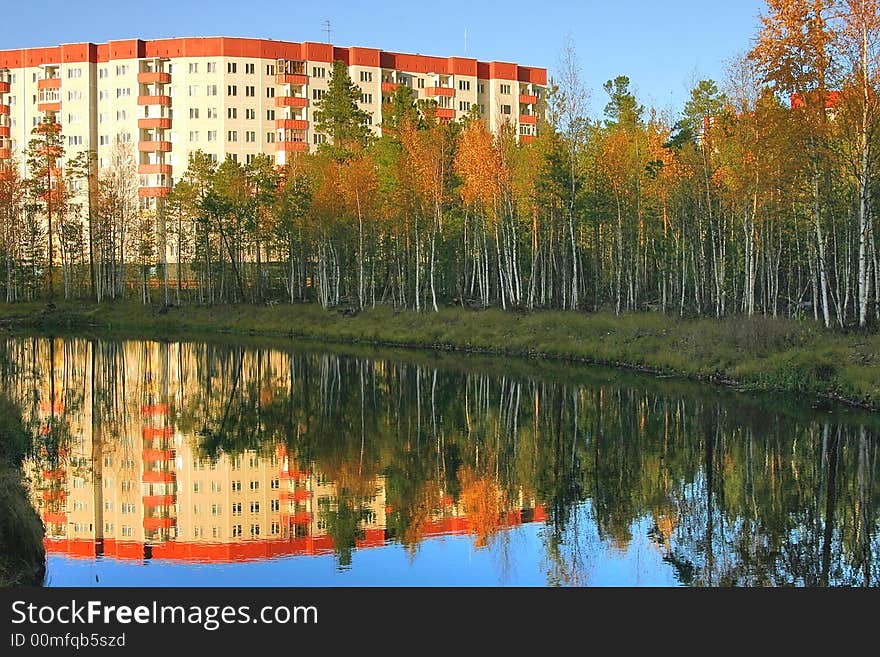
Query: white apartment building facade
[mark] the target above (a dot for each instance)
(230, 96)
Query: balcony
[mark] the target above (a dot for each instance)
(154, 168)
(445, 113)
(390, 87)
(4, 109)
(154, 124)
(527, 139)
(449, 92)
(4, 130)
(291, 101)
(291, 124)
(4, 87)
(154, 523)
(5, 153)
(528, 119)
(49, 83)
(291, 78)
(49, 107)
(153, 501)
(154, 146)
(292, 146)
(155, 192)
(528, 99)
(164, 101)
(154, 77)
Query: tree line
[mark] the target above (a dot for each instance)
(757, 198)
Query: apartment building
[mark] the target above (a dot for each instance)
(164, 99)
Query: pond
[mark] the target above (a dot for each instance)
(214, 464)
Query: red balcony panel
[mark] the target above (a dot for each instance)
(154, 168)
(153, 146)
(158, 123)
(164, 101)
(54, 474)
(445, 113)
(52, 151)
(153, 501)
(291, 78)
(291, 101)
(153, 192)
(54, 494)
(154, 409)
(291, 124)
(5, 153)
(55, 518)
(528, 99)
(4, 87)
(158, 476)
(153, 77)
(292, 146)
(389, 87)
(151, 454)
(49, 107)
(528, 119)
(527, 139)
(4, 130)
(49, 83)
(439, 91)
(159, 523)
(4, 109)
(150, 433)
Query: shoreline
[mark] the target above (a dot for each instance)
(753, 354)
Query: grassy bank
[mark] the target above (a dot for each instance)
(757, 353)
(22, 555)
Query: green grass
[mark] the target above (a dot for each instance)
(22, 555)
(758, 353)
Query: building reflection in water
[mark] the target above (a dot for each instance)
(207, 453)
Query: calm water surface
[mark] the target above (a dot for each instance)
(212, 464)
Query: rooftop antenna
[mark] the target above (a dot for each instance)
(328, 30)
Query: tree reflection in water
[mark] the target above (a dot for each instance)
(729, 489)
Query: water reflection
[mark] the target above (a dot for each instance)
(201, 453)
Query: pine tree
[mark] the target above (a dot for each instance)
(339, 116)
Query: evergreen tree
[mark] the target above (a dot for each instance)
(339, 116)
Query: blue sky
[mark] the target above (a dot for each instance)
(661, 45)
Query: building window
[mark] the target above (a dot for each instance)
(197, 532)
(250, 136)
(74, 73)
(193, 112)
(231, 112)
(275, 505)
(75, 140)
(255, 530)
(270, 115)
(250, 90)
(464, 85)
(270, 137)
(126, 530)
(319, 139)
(276, 484)
(249, 158)
(276, 528)
(216, 509)
(193, 90)
(236, 486)
(197, 486)
(103, 73)
(232, 135)
(212, 89)
(367, 99)
(236, 531)
(318, 94)
(215, 487)
(212, 114)
(481, 88)
(212, 135)
(212, 67)
(76, 95)
(121, 115)
(464, 106)
(270, 69)
(231, 90)
(215, 531)
(236, 508)
(368, 120)
(249, 69)
(231, 67)
(193, 67)
(505, 109)
(366, 76)
(122, 69)
(250, 113)
(270, 92)
(421, 83)
(255, 485)
(505, 88)
(319, 72)
(233, 157)
(104, 140)
(193, 135)
(255, 507)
